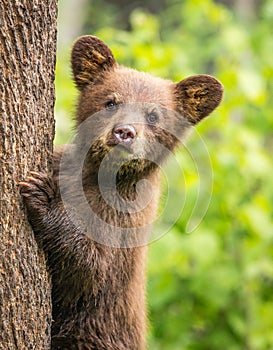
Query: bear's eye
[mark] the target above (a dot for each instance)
(152, 118)
(111, 104)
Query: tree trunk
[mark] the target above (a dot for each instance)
(27, 62)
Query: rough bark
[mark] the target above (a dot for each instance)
(27, 63)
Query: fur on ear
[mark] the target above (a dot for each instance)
(197, 96)
(90, 59)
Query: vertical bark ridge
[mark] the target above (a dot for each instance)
(27, 63)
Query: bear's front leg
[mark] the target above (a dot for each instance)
(72, 257)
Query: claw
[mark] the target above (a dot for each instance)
(36, 174)
(25, 194)
(32, 179)
(23, 184)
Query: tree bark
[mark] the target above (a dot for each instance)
(27, 63)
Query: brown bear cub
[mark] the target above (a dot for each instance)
(94, 215)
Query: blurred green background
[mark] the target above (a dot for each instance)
(213, 288)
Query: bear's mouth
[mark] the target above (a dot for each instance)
(124, 149)
(129, 150)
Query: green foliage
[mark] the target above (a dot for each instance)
(213, 288)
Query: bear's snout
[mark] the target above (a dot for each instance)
(124, 133)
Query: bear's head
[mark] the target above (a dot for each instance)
(143, 115)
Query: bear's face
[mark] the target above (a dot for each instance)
(143, 115)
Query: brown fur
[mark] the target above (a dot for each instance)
(99, 291)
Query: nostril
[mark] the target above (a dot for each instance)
(124, 133)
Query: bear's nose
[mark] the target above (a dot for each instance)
(124, 133)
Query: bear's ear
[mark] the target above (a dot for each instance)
(90, 59)
(197, 96)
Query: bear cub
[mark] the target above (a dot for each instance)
(93, 215)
